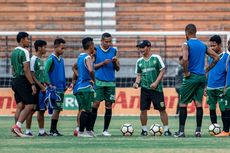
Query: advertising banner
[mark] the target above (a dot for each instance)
(127, 103)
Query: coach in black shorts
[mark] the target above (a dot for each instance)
(23, 84)
(150, 70)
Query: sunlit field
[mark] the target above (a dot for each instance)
(114, 144)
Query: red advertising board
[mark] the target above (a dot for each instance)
(127, 103)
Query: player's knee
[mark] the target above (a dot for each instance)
(183, 105)
(162, 111)
(198, 104)
(96, 104)
(108, 105)
(30, 107)
(20, 106)
(143, 112)
(40, 116)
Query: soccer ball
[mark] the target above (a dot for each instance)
(156, 130)
(127, 129)
(214, 129)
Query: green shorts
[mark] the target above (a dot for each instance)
(105, 93)
(216, 96)
(59, 104)
(85, 99)
(192, 88)
(227, 98)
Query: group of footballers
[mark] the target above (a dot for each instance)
(34, 83)
(31, 81)
(194, 84)
(94, 81)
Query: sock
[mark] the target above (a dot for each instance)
(28, 131)
(166, 128)
(177, 109)
(223, 119)
(53, 126)
(41, 130)
(19, 124)
(83, 120)
(144, 128)
(227, 120)
(77, 128)
(94, 117)
(89, 121)
(107, 118)
(182, 118)
(213, 116)
(199, 116)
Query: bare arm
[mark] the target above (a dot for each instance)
(185, 60)
(26, 69)
(116, 63)
(74, 77)
(75, 72)
(159, 78)
(137, 82)
(227, 70)
(105, 62)
(43, 88)
(90, 68)
(215, 57)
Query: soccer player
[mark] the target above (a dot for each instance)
(56, 70)
(216, 81)
(178, 81)
(225, 131)
(74, 78)
(41, 78)
(105, 65)
(194, 81)
(150, 70)
(23, 84)
(83, 88)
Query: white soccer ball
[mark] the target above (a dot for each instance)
(156, 130)
(214, 129)
(127, 129)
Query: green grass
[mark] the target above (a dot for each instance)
(115, 144)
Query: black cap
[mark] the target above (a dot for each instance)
(143, 43)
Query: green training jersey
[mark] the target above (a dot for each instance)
(19, 56)
(149, 69)
(37, 66)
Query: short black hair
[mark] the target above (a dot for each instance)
(39, 43)
(106, 35)
(180, 58)
(86, 42)
(21, 35)
(216, 38)
(190, 29)
(58, 41)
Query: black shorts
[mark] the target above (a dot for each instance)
(151, 96)
(23, 91)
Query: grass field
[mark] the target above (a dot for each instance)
(115, 144)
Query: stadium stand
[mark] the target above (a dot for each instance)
(112, 15)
